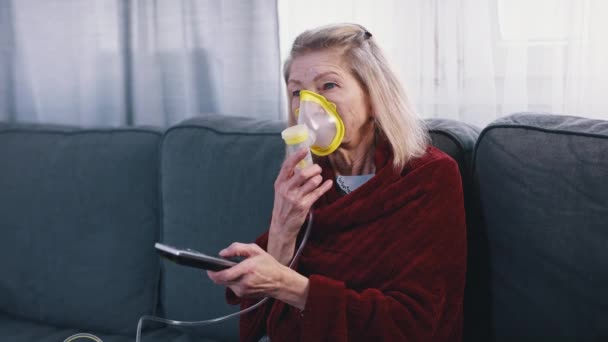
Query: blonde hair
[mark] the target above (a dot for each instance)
(394, 116)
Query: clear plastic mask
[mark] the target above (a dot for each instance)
(325, 127)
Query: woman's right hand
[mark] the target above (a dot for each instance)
(295, 191)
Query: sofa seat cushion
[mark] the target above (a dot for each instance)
(17, 330)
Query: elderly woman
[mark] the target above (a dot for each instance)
(386, 255)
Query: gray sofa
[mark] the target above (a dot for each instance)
(80, 210)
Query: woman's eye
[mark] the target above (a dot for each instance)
(295, 93)
(329, 85)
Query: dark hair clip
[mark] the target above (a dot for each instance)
(367, 35)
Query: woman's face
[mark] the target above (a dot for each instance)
(325, 73)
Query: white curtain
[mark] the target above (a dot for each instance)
(475, 60)
(116, 62)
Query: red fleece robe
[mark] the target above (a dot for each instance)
(385, 262)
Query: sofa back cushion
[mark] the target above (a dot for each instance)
(78, 219)
(217, 177)
(458, 139)
(543, 182)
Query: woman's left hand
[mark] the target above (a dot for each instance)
(261, 275)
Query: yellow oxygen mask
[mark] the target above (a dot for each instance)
(325, 127)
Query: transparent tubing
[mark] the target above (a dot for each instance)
(223, 318)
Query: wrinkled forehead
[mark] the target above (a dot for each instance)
(306, 67)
